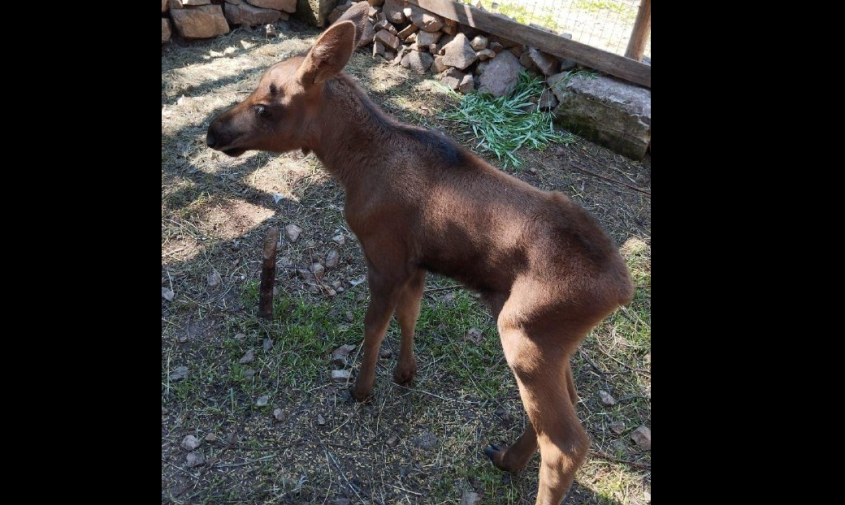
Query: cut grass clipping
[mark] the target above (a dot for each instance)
(504, 124)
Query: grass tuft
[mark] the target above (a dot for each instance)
(504, 124)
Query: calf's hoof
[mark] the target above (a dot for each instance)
(404, 374)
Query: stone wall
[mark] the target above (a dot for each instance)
(608, 111)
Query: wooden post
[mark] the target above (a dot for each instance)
(639, 34)
(268, 274)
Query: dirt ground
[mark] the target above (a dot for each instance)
(271, 424)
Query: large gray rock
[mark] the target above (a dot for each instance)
(200, 22)
(279, 5)
(459, 53)
(315, 12)
(607, 111)
(501, 74)
(393, 9)
(165, 30)
(245, 14)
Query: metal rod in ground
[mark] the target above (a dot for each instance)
(268, 274)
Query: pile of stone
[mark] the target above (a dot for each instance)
(463, 58)
(202, 19)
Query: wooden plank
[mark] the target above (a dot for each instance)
(639, 34)
(609, 63)
(268, 274)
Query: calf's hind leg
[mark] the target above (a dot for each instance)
(541, 374)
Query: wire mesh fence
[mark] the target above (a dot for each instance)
(605, 24)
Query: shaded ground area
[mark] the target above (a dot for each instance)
(309, 443)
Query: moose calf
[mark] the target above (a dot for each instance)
(420, 203)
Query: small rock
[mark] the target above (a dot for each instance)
(279, 414)
(337, 12)
(293, 232)
(419, 62)
(617, 427)
(368, 35)
(426, 441)
(267, 344)
(425, 39)
(475, 336)
(547, 100)
(165, 30)
(642, 436)
(386, 353)
(470, 498)
(321, 421)
(411, 38)
(349, 316)
(606, 399)
(378, 49)
(241, 13)
(526, 61)
(164, 411)
(506, 43)
(341, 375)
(501, 75)
(547, 63)
(277, 197)
(332, 259)
(318, 270)
(408, 30)
(442, 43)
(459, 53)
(479, 42)
(342, 501)
(567, 64)
(450, 26)
(385, 25)
(438, 66)
(392, 9)
(200, 22)
(388, 39)
(179, 373)
(249, 373)
(355, 282)
(190, 442)
(269, 31)
(262, 401)
(648, 358)
(426, 21)
(452, 78)
(339, 239)
(211, 438)
(340, 354)
(195, 459)
(393, 441)
(279, 5)
(214, 279)
(496, 47)
(167, 294)
(240, 336)
(249, 357)
(518, 50)
(485, 54)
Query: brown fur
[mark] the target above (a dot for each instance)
(418, 202)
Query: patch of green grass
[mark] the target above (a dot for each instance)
(541, 15)
(625, 11)
(504, 124)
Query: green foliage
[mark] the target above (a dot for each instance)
(504, 124)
